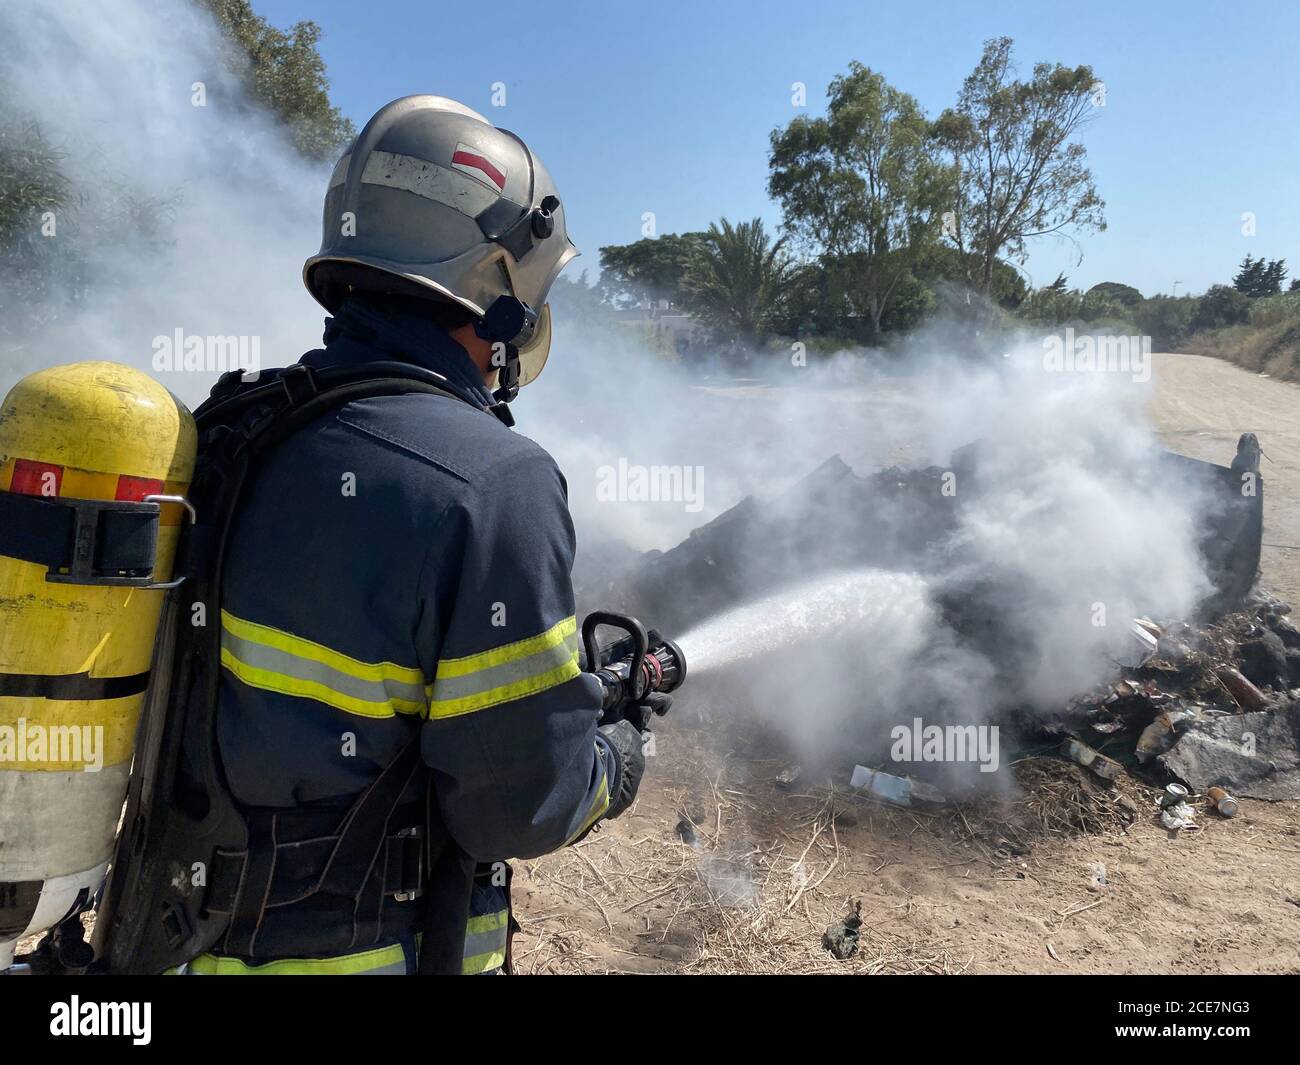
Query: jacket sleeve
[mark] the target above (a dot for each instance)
(511, 737)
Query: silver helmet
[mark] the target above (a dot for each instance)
(433, 200)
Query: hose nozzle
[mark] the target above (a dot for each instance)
(638, 665)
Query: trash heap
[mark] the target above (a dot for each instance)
(1215, 707)
(1215, 704)
(832, 519)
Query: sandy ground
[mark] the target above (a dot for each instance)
(946, 891)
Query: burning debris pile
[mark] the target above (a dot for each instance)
(896, 519)
(830, 520)
(1206, 702)
(1216, 706)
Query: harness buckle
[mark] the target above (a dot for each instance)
(299, 384)
(411, 883)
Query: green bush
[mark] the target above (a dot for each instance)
(1221, 306)
(1273, 310)
(1165, 319)
(1052, 306)
(1125, 295)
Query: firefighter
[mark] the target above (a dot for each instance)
(399, 574)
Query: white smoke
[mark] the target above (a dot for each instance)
(182, 217)
(1072, 524)
(1070, 516)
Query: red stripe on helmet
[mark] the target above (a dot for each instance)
(478, 162)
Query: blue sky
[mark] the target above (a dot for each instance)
(667, 107)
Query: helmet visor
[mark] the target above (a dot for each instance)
(532, 358)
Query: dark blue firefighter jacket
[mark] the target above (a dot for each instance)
(403, 566)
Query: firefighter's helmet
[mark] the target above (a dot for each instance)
(435, 201)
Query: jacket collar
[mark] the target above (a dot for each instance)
(361, 333)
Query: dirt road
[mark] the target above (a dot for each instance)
(1202, 405)
(762, 870)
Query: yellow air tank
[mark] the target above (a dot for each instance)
(76, 633)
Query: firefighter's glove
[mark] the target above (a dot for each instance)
(627, 745)
(656, 704)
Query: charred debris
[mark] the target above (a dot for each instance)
(1210, 702)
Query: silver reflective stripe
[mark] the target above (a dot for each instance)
(448, 187)
(514, 672)
(485, 943)
(397, 968)
(273, 660)
(480, 943)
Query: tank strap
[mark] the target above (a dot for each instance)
(81, 541)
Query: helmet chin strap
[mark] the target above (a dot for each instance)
(508, 323)
(507, 375)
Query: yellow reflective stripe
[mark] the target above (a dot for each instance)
(505, 693)
(481, 963)
(296, 645)
(274, 660)
(349, 964)
(310, 689)
(488, 930)
(498, 656)
(503, 674)
(488, 922)
(598, 808)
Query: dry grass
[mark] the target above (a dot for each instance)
(1272, 349)
(714, 905)
(1062, 799)
(757, 909)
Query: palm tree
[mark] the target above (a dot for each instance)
(739, 281)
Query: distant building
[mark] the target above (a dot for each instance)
(674, 329)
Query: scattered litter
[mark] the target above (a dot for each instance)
(1173, 795)
(900, 791)
(841, 938)
(1224, 803)
(1148, 626)
(1247, 695)
(1146, 638)
(1178, 816)
(1097, 877)
(1175, 650)
(1082, 754)
(789, 777)
(1160, 735)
